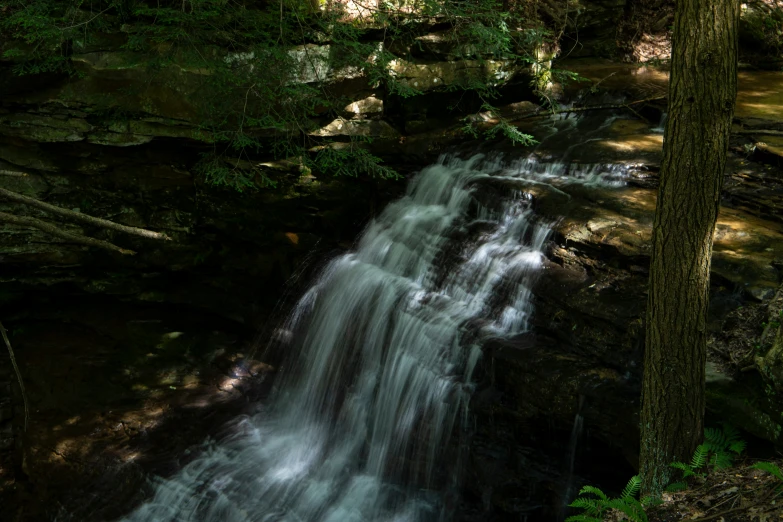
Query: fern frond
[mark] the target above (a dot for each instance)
(676, 486)
(593, 490)
(721, 460)
(769, 467)
(590, 505)
(632, 488)
(699, 458)
(714, 439)
(737, 446)
(632, 508)
(686, 469)
(651, 501)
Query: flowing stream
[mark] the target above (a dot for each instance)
(367, 417)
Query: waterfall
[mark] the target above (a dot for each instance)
(381, 353)
(576, 433)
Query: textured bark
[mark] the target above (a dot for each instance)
(702, 91)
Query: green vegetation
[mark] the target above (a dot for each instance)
(502, 127)
(266, 68)
(762, 24)
(595, 508)
(772, 469)
(718, 451)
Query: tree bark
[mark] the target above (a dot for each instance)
(702, 92)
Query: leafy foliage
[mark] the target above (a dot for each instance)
(219, 171)
(762, 24)
(595, 508)
(772, 469)
(502, 126)
(350, 161)
(718, 451)
(723, 445)
(264, 82)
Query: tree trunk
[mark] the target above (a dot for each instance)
(702, 91)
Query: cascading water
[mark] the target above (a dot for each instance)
(360, 423)
(576, 433)
(382, 350)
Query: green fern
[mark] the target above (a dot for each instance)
(725, 440)
(687, 470)
(699, 458)
(632, 488)
(721, 460)
(651, 501)
(632, 508)
(596, 508)
(772, 469)
(676, 486)
(718, 451)
(595, 491)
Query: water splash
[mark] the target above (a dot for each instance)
(382, 352)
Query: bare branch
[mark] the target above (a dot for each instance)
(545, 112)
(62, 234)
(760, 132)
(78, 216)
(18, 375)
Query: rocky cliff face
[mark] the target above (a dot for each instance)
(116, 142)
(575, 381)
(121, 352)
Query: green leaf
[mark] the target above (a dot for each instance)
(769, 467)
(594, 491)
(676, 486)
(686, 469)
(699, 458)
(632, 488)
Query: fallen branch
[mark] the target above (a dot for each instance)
(78, 216)
(14, 173)
(541, 110)
(18, 375)
(723, 513)
(760, 132)
(62, 234)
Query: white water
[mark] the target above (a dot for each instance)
(383, 348)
